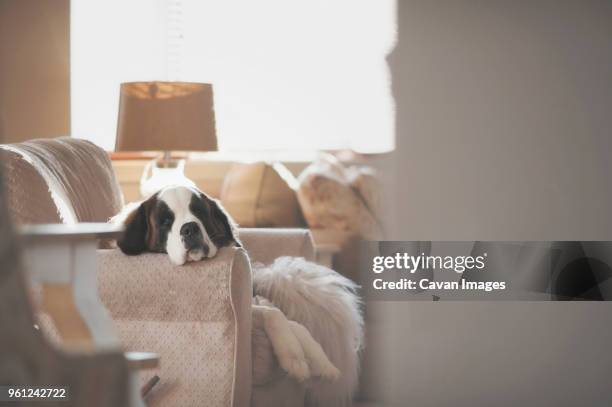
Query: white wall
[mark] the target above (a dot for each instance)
(504, 119)
(504, 124)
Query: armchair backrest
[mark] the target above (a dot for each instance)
(63, 180)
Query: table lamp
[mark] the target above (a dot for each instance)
(165, 117)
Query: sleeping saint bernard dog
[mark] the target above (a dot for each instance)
(190, 226)
(181, 221)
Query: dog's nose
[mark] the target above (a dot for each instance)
(189, 229)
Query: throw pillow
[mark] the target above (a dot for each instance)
(259, 195)
(330, 196)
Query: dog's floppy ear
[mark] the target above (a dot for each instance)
(136, 221)
(220, 226)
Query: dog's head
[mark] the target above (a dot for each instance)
(181, 221)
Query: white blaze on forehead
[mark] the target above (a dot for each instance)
(178, 200)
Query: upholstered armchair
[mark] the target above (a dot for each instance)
(196, 317)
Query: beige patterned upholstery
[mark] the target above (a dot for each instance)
(188, 315)
(197, 317)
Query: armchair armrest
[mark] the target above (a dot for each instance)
(266, 244)
(196, 316)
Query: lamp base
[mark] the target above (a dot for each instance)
(161, 173)
(166, 161)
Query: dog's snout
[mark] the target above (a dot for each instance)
(189, 229)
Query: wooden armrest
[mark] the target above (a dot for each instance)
(75, 232)
(142, 360)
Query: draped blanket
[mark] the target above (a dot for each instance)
(78, 175)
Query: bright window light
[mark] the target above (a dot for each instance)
(287, 74)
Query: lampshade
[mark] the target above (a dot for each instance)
(166, 116)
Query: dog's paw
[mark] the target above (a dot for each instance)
(286, 346)
(326, 371)
(295, 366)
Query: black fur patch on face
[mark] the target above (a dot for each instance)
(216, 221)
(147, 228)
(138, 227)
(163, 218)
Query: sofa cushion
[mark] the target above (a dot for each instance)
(258, 195)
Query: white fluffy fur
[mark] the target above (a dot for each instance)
(326, 304)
